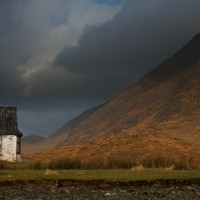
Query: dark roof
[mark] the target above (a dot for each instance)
(8, 121)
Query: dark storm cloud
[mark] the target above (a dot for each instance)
(11, 84)
(119, 52)
(32, 32)
(107, 58)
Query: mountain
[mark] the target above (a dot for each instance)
(158, 116)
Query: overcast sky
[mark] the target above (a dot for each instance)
(59, 57)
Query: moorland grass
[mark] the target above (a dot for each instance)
(68, 169)
(106, 175)
(188, 163)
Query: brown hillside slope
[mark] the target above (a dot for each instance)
(159, 115)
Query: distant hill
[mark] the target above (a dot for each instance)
(33, 139)
(159, 116)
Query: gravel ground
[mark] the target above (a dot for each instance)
(29, 192)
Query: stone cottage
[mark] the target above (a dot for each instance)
(10, 136)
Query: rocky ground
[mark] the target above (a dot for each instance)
(84, 192)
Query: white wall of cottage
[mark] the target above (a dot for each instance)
(8, 146)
